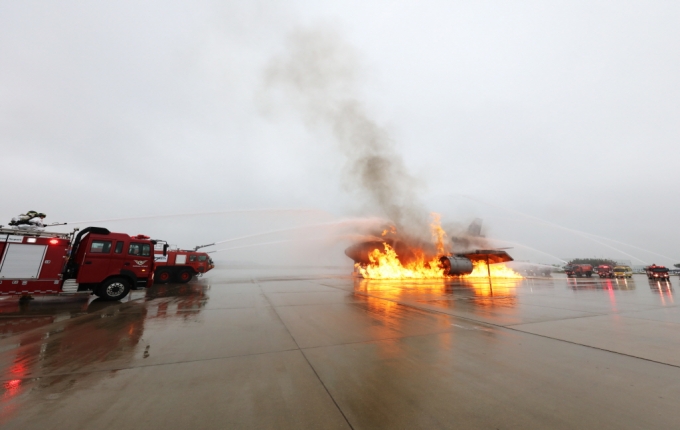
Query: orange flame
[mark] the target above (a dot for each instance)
(438, 233)
(499, 270)
(386, 265)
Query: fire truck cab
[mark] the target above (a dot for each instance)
(180, 265)
(97, 260)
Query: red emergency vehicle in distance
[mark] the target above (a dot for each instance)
(95, 259)
(179, 265)
(605, 271)
(578, 270)
(657, 272)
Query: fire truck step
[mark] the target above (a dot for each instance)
(70, 286)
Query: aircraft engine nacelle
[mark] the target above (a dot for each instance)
(455, 265)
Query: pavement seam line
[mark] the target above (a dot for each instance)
(593, 347)
(308, 362)
(651, 320)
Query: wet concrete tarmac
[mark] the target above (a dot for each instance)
(299, 348)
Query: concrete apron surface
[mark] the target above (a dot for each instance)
(262, 349)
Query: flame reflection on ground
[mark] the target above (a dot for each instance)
(392, 289)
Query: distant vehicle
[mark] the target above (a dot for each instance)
(623, 272)
(178, 265)
(657, 272)
(578, 270)
(605, 271)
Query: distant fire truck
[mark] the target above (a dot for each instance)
(95, 259)
(657, 272)
(605, 271)
(178, 265)
(578, 270)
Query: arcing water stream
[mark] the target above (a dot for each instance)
(196, 214)
(589, 236)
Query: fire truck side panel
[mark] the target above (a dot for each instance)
(22, 261)
(31, 264)
(55, 259)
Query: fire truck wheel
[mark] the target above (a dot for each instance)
(113, 289)
(163, 276)
(184, 276)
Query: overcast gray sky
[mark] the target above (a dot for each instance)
(566, 112)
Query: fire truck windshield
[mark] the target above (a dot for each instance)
(143, 249)
(660, 269)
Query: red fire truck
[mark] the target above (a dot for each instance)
(578, 270)
(95, 259)
(657, 272)
(178, 265)
(605, 271)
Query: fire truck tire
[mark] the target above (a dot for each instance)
(113, 289)
(163, 276)
(184, 276)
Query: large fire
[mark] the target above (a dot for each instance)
(385, 264)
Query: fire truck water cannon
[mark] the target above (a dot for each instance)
(203, 246)
(31, 220)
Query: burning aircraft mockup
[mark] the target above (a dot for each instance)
(393, 256)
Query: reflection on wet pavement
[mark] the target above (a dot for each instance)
(324, 350)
